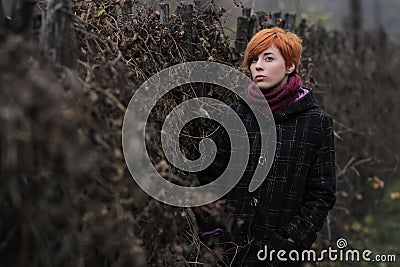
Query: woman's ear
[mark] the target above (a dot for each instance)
(290, 69)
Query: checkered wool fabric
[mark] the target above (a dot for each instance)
(296, 195)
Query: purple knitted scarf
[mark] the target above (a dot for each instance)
(278, 98)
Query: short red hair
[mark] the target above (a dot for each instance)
(289, 44)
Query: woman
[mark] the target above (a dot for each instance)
(290, 207)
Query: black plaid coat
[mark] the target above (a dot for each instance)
(297, 194)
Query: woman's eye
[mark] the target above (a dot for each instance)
(254, 59)
(269, 58)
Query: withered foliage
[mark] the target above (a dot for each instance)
(120, 46)
(64, 199)
(66, 196)
(358, 85)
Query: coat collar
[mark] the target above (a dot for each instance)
(303, 104)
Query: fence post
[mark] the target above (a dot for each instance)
(21, 16)
(257, 22)
(355, 21)
(277, 19)
(127, 8)
(164, 13)
(302, 27)
(201, 4)
(3, 30)
(242, 31)
(57, 37)
(185, 11)
(290, 21)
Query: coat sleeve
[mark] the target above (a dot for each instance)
(208, 222)
(217, 167)
(321, 191)
(221, 140)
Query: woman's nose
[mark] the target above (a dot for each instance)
(258, 65)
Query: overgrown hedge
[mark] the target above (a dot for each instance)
(67, 198)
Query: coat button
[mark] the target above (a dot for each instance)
(254, 201)
(262, 160)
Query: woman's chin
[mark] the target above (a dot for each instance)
(263, 86)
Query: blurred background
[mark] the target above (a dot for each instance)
(69, 68)
(339, 14)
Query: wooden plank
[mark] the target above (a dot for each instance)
(185, 11)
(21, 16)
(58, 36)
(164, 13)
(291, 22)
(3, 30)
(243, 30)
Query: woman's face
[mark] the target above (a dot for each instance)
(268, 70)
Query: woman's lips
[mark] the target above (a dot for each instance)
(259, 77)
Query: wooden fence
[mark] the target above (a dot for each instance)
(51, 26)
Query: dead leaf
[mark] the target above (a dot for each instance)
(376, 182)
(395, 195)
